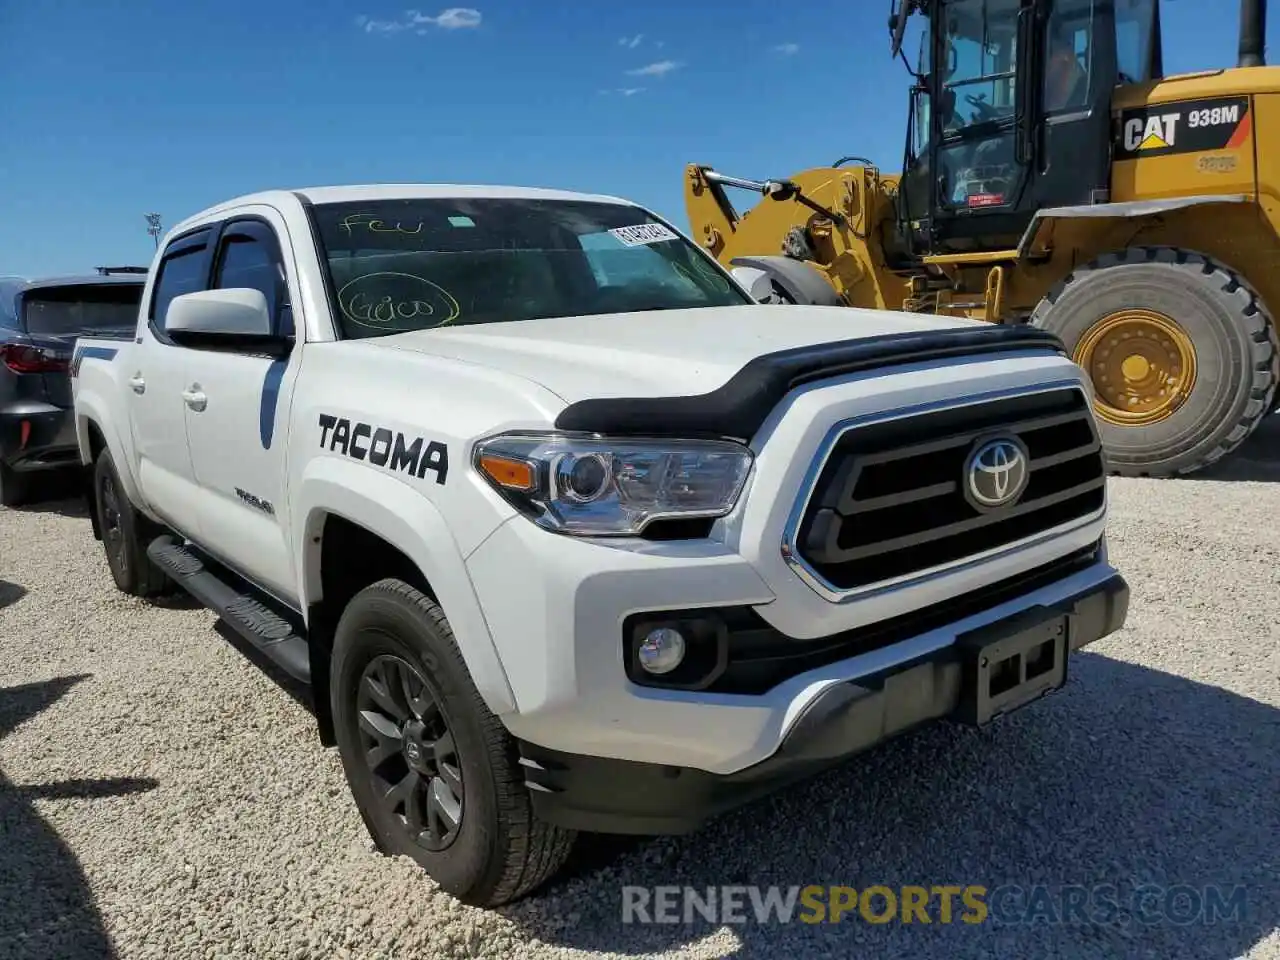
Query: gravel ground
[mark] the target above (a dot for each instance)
(160, 796)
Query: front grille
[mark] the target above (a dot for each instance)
(891, 499)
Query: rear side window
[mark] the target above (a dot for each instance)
(184, 269)
(81, 308)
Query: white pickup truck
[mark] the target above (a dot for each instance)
(567, 533)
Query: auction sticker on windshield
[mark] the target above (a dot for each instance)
(642, 233)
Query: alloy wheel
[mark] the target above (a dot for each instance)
(112, 528)
(409, 752)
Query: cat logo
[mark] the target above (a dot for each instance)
(1156, 132)
(1192, 126)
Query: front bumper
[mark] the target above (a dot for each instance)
(557, 611)
(623, 796)
(38, 436)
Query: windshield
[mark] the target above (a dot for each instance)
(82, 308)
(978, 63)
(412, 264)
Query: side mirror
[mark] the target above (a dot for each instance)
(233, 312)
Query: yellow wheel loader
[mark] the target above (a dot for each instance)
(1054, 176)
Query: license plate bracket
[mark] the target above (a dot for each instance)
(1011, 663)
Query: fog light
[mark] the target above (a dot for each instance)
(662, 650)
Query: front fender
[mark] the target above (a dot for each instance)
(412, 524)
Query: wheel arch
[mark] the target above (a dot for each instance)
(1125, 210)
(94, 434)
(355, 530)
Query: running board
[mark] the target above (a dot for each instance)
(248, 616)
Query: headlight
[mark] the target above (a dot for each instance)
(613, 487)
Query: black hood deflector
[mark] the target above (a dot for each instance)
(739, 407)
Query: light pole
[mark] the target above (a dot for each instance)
(153, 227)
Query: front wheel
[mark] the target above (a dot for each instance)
(434, 773)
(1180, 350)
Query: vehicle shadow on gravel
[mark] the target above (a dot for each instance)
(1256, 460)
(300, 692)
(10, 593)
(57, 491)
(1153, 796)
(46, 906)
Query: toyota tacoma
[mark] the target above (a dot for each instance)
(564, 532)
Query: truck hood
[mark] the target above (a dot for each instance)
(658, 353)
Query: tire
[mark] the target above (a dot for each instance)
(15, 487)
(1233, 340)
(125, 533)
(391, 638)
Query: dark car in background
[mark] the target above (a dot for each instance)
(40, 321)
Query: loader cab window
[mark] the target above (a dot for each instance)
(921, 106)
(979, 63)
(975, 103)
(920, 117)
(1068, 57)
(1138, 53)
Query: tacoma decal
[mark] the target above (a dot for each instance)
(383, 447)
(1195, 126)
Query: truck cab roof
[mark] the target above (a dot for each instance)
(346, 193)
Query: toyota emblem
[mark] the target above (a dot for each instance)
(996, 473)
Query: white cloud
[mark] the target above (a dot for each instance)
(659, 69)
(454, 18)
(624, 91)
(370, 25)
(631, 42)
(788, 48)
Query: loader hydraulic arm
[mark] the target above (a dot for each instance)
(712, 214)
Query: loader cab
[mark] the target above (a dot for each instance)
(1011, 112)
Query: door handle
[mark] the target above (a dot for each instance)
(195, 398)
(137, 384)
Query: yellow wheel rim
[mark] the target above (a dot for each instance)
(1142, 364)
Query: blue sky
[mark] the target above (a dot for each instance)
(113, 109)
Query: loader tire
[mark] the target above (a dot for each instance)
(1181, 352)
